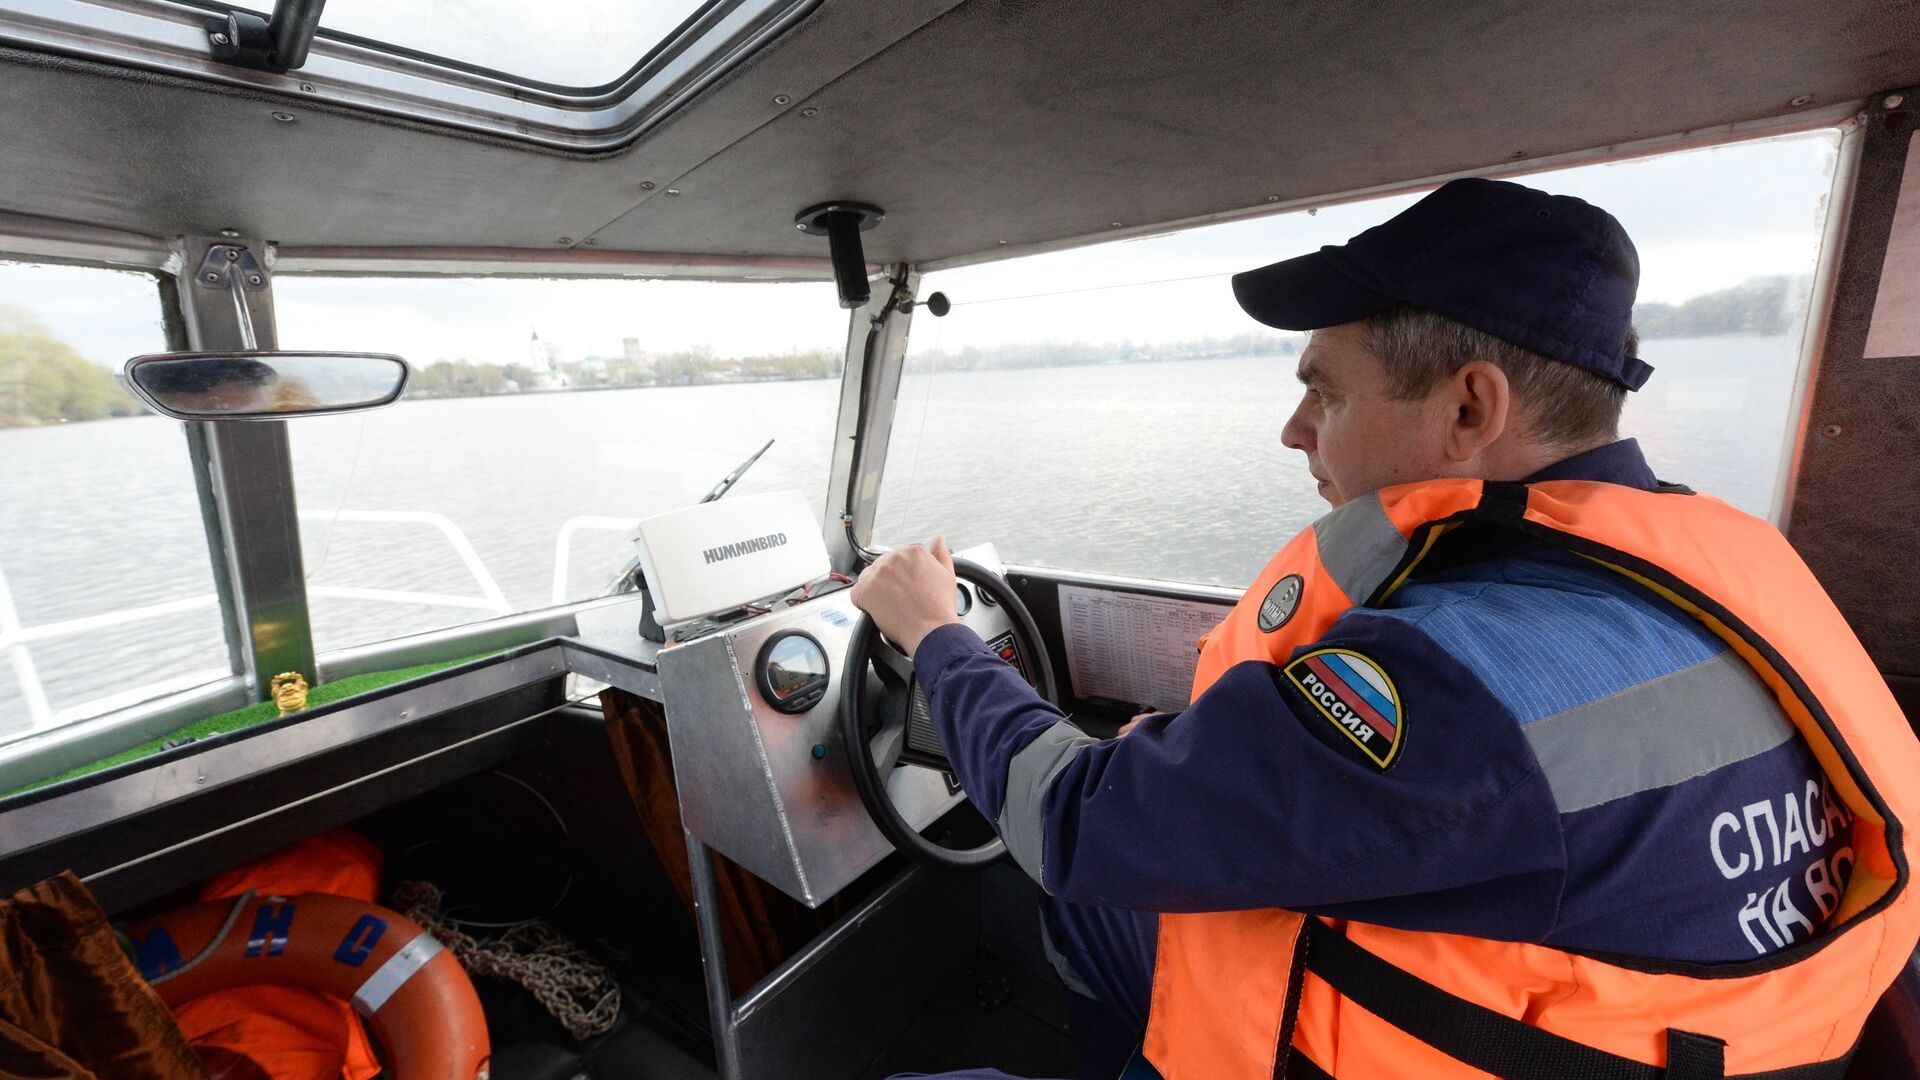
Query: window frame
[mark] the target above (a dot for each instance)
(341, 69)
(680, 38)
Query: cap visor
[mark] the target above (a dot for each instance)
(1305, 293)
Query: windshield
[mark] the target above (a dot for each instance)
(106, 586)
(1111, 408)
(543, 419)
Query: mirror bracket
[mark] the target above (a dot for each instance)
(228, 265)
(234, 268)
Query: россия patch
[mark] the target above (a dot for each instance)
(1357, 696)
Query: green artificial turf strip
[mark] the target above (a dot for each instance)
(257, 713)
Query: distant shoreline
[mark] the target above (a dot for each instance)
(957, 368)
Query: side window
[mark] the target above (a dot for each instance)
(1111, 409)
(106, 588)
(542, 420)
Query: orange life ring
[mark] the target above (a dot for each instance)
(411, 990)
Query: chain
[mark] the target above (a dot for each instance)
(563, 977)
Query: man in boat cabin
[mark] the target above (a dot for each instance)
(1520, 762)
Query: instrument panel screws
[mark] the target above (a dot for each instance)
(229, 233)
(809, 111)
(254, 279)
(1894, 101)
(283, 117)
(646, 185)
(233, 254)
(782, 99)
(591, 242)
(1117, 224)
(212, 278)
(564, 240)
(1002, 243)
(673, 191)
(1801, 100)
(1832, 431)
(306, 88)
(220, 39)
(1273, 198)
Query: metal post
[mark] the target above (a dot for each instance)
(246, 481)
(713, 957)
(876, 357)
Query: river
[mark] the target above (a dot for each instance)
(1171, 470)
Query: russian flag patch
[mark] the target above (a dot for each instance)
(1358, 697)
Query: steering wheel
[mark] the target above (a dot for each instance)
(897, 728)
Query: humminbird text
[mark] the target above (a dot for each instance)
(744, 547)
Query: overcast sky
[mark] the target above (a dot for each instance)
(1702, 220)
(569, 42)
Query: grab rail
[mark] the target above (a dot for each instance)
(495, 600)
(15, 637)
(563, 545)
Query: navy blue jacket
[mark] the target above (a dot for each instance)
(1547, 704)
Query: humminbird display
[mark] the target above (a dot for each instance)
(718, 556)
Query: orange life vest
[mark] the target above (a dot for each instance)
(415, 994)
(1247, 995)
(290, 1032)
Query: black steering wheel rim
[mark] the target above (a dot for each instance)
(866, 773)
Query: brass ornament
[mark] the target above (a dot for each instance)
(289, 691)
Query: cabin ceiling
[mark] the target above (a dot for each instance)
(971, 123)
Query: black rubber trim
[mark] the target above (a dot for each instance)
(1290, 1016)
(1301, 1067)
(1499, 1044)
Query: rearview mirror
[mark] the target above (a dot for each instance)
(265, 385)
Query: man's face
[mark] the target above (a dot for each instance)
(1356, 436)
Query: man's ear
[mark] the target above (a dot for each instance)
(1480, 404)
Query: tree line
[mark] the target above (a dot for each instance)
(44, 380)
(686, 367)
(1769, 305)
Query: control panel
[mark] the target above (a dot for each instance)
(753, 715)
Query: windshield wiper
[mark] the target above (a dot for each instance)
(628, 579)
(726, 483)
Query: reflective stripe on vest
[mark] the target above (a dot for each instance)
(1234, 993)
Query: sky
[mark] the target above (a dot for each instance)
(569, 42)
(1702, 220)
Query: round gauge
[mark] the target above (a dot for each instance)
(962, 600)
(793, 671)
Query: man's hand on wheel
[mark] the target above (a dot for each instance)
(909, 592)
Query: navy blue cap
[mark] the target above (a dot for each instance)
(1550, 273)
